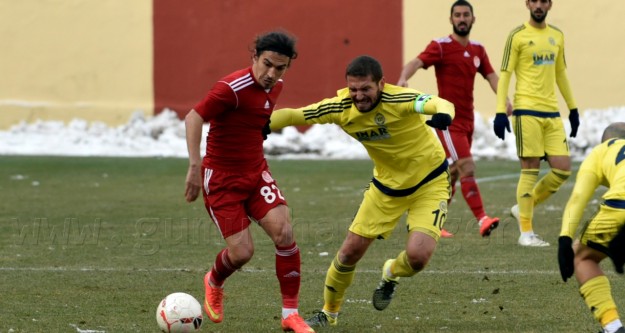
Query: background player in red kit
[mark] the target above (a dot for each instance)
(235, 179)
(456, 60)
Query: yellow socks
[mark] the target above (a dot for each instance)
(598, 297)
(549, 184)
(401, 266)
(525, 199)
(531, 193)
(338, 279)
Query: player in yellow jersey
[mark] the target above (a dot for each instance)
(534, 51)
(604, 234)
(410, 175)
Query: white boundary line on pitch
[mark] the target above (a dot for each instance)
(495, 178)
(513, 175)
(366, 271)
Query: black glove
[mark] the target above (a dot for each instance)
(266, 130)
(500, 124)
(574, 120)
(565, 257)
(439, 121)
(616, 249)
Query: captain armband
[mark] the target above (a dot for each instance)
(419, 103)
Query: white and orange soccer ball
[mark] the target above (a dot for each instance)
(178, 313)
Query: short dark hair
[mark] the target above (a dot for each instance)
(614, 130)
(364, 66)
(277, 41)
(460, 3)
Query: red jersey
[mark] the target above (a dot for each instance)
(455, 67)
(237, 108)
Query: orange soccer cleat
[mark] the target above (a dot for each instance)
(213, 301)
(488, 224)
(295, 323)
(446, 234)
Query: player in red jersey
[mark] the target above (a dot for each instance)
(235, 180)
(456, 60)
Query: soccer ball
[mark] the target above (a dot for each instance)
(178, 313)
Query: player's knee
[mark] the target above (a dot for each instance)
(466, 167)
(283, 236)
(585, 255)
(241, 255)
(418, 260)
(562, 174)
(350, 255)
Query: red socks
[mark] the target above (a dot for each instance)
(222, 269)
(288, 272)
(472, 196)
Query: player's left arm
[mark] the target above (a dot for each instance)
(431, 105)
(562, 79)
(442, 111)
(565, 87)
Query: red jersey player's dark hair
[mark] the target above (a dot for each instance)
(277, 41)
(461, 3)
(364, 66)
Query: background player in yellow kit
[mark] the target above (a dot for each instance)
(410, 175)
(534, 51)
(598, 238)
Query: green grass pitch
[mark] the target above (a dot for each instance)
(93, 244)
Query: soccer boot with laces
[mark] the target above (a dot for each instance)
(321, 319)
(295, 323)
(213, 301)
(532, 240)
(487, 225)
(385, 291)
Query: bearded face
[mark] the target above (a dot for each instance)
(462, 20)
(539, 15)
(462, 29)
(538, 9)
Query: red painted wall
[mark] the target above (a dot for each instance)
(196, 42)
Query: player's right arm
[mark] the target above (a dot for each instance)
(433, 54)
(501, 124)
(219, 99)
(508, 65)
(193, 124)
(408, 71)
(323, 112)
(286, 117)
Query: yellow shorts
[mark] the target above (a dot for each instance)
(539, 134)
(427, 210)
(599, 231)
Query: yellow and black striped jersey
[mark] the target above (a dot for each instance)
(536, 56)
(403, 148)
(605, 165)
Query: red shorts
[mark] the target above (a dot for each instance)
(457, 143)
(232, 198)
